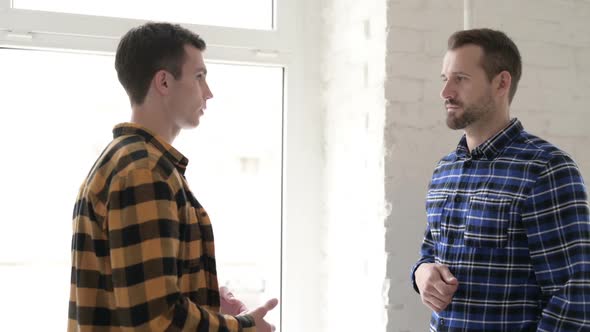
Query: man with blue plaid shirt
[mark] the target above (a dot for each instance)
(507, 243)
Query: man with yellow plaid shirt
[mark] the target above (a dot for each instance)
(143, 256)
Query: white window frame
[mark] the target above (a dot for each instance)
(287, 45)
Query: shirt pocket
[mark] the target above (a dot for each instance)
(435, 212)
(487, 222)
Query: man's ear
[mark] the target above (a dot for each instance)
(161, 82)
(503, 83)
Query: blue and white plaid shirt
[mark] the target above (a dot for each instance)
(511, 221)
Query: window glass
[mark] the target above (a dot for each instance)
(58, 111)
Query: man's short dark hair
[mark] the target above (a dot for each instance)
(148, 48)
(499, 53)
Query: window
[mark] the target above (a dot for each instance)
(58, 118)
(252, 14)
(235, 158)
(50, 40)
(56, 123)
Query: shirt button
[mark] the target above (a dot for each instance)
(457, 199)
(441, 322)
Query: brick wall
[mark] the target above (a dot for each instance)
(353, 71)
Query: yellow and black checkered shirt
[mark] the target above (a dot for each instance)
(143, 256)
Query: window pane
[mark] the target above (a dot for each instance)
(235, 172)
(251, 14)
(56, 120)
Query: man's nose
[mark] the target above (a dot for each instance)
(448, 91)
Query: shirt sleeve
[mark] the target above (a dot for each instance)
(426, 255)
(556, 219)
(143, 230)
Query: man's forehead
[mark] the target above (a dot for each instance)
(466, 57)
(194, 56)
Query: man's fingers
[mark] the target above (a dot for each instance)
(435, 304)
(268, 306)
(443, 291)
(437, 300)
(271, 304)
(432, 306)
(446, 275)
(434, 295)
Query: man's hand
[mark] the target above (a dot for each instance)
(437, 285)
(259, 313)
(229, 304)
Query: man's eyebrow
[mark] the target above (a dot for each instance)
(455, 73)
(460, 73)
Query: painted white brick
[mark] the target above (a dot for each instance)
(568, 124)
(352, 80)
(582, 58)
(580, 30)
(503, 10)
(547, 100)
(404, 90)
(432, 89)
(436, 42)
(412, 66)
(428, 19)
(420, 117)
(548, 77)
(546, 54)
(405, 40)
(421, 5)
(537, 21)
(582, 79)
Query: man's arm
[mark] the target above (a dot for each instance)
(426, 253)
(556, 218)
(434, 282)
(144, 228)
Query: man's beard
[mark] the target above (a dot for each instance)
(471, 113)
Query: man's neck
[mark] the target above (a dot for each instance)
(478, 133)
(154, 119)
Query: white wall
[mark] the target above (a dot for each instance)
(415, 138)
(352, 66)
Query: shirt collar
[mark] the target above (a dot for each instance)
(489, 149)
(173, 155)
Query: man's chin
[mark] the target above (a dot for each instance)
(191, 123)
(455, 124)
(196, 119)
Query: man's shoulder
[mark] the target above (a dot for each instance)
(448, 158)
(534, 148)
(129, 154)
(126, 153)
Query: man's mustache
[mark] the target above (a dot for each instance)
(453, 102)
